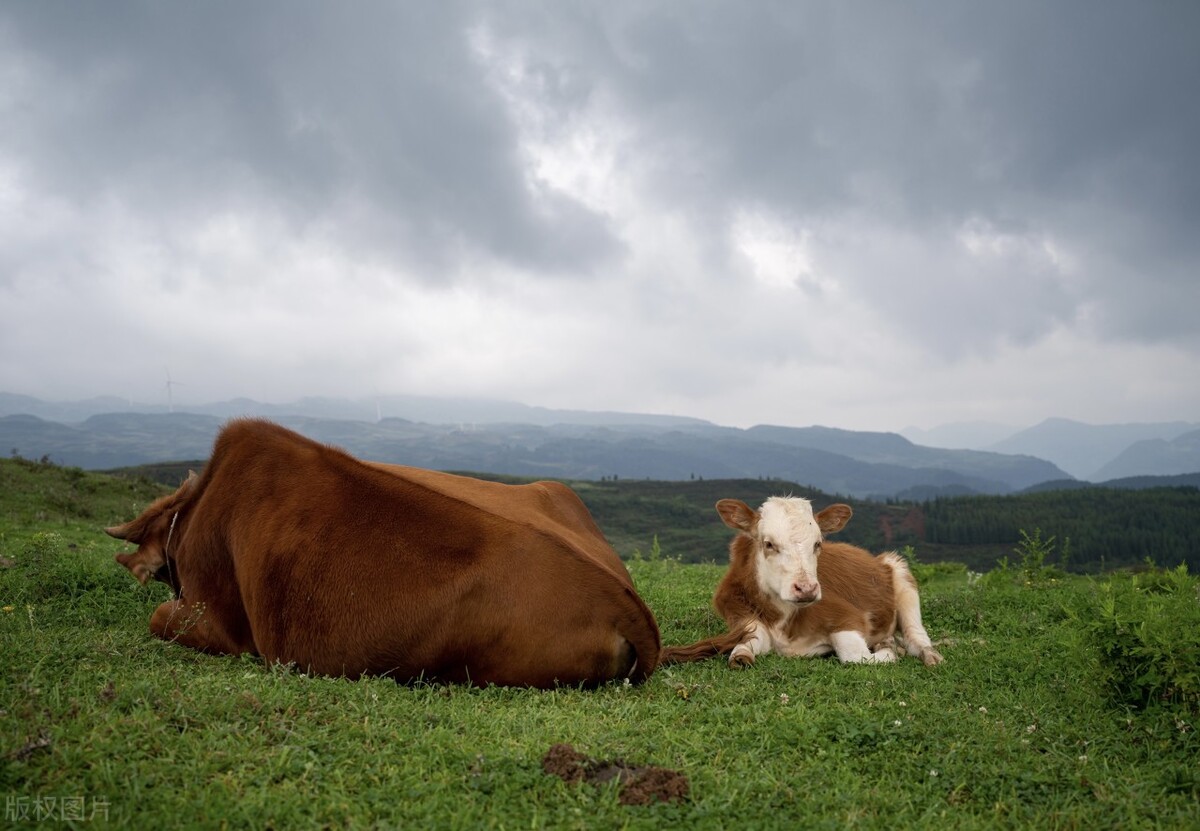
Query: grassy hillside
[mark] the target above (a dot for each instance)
(68, 501)
(1064, 702)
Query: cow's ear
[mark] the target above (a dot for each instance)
(737, 514)
(137, 567)
(834, 518)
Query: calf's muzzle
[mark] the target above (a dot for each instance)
(806, 591)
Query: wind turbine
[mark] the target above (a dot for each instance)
(170, 385)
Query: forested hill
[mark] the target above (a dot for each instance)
(1098, 528)
(1093, 530)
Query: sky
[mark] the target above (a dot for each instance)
(864, 215)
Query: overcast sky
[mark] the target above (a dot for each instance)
(865, 215)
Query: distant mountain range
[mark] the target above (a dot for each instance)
(1178, 455)
(1089, 451)
(970, 435)
(426, 409)
(502, 437)
(1094, 452)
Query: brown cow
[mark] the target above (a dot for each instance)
(295, 551)
(788, 591)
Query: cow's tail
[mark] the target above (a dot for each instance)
(908, 610)
(701, 650)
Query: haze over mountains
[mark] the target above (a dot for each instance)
(1093, 452)
(512, 438)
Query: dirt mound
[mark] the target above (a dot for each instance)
(639, 785)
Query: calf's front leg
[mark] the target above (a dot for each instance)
(851, 647)
(757, 642)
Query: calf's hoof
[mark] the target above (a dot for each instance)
(931, 657)
(884, 655)
(741, 660)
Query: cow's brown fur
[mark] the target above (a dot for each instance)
(295, 551)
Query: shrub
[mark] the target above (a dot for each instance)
(1146, 628)
(655, 553)
(39, 559)
(1034, 551)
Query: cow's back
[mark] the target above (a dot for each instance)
(549, 507)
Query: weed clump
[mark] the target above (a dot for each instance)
(1146, 628)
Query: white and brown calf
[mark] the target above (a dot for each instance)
(790, 592)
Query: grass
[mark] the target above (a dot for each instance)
(1015, 730)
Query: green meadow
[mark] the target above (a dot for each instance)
(1065, 701)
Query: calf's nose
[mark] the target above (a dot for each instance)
(806, 591)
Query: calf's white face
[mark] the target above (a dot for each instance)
(787, 543)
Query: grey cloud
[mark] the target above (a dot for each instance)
(957, 107)
(925, 117)
(377, 138)
(301, 107)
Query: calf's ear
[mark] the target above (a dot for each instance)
(737, 514)
(834, 518)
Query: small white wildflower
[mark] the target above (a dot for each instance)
(627, 683)
(897, 722)
(1083, 758)
(1031, 728)
(983, 710)
(783, 698)
(902, 703)
(933, 773)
